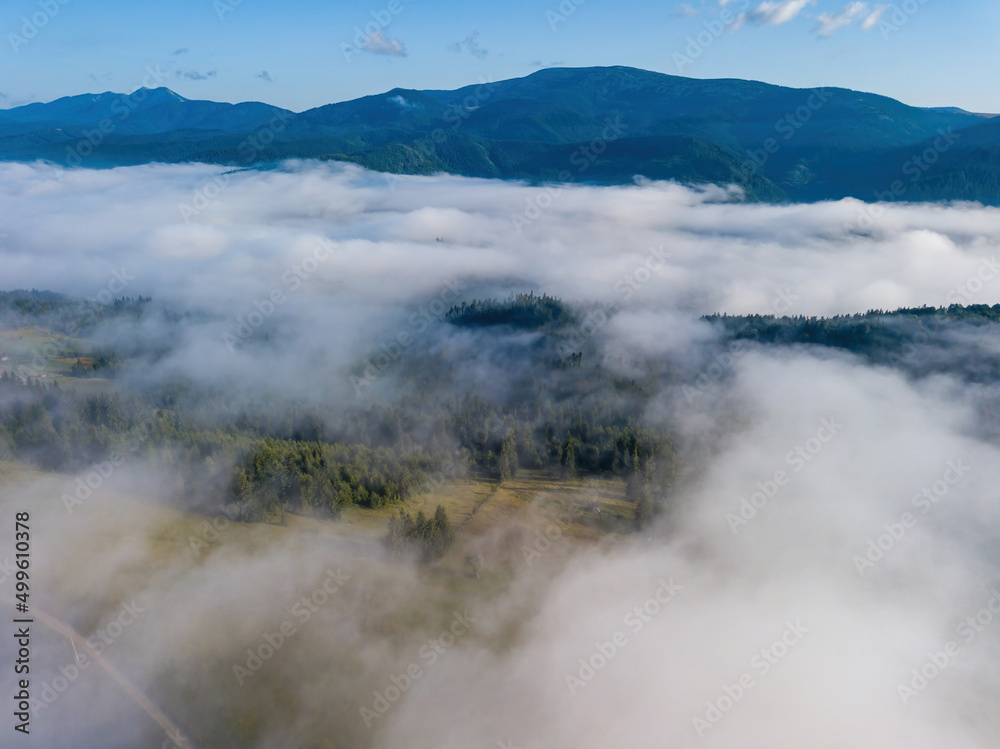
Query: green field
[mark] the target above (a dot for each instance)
(140, 547)
(32, 351)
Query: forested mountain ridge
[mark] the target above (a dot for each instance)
(602, 125)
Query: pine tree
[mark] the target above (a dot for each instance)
(503, 467)
(645, 508)
(508, 457)
(444, 535)
(420, 524)
(511, 444)
(568, 459)
(397, 532)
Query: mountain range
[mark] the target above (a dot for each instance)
(604, 125)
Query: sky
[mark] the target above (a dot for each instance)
(300, 54)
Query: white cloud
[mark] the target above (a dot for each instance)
(392, 250)
(924, 249)
(778, 11)
(379, 44)
(829, 23)
(874, 17)
(403, 102)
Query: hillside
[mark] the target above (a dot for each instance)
(602, 125)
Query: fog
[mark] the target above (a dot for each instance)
(844, 511)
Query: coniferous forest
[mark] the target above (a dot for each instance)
(275, 457)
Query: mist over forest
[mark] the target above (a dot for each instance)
(376, 461)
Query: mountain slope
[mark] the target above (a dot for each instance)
(144, 111)
(589, 124)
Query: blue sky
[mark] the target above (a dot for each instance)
(304, 53)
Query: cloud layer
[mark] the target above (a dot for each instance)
(758, 614)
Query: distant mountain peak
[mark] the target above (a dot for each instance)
(599, 124)
(162, 93)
